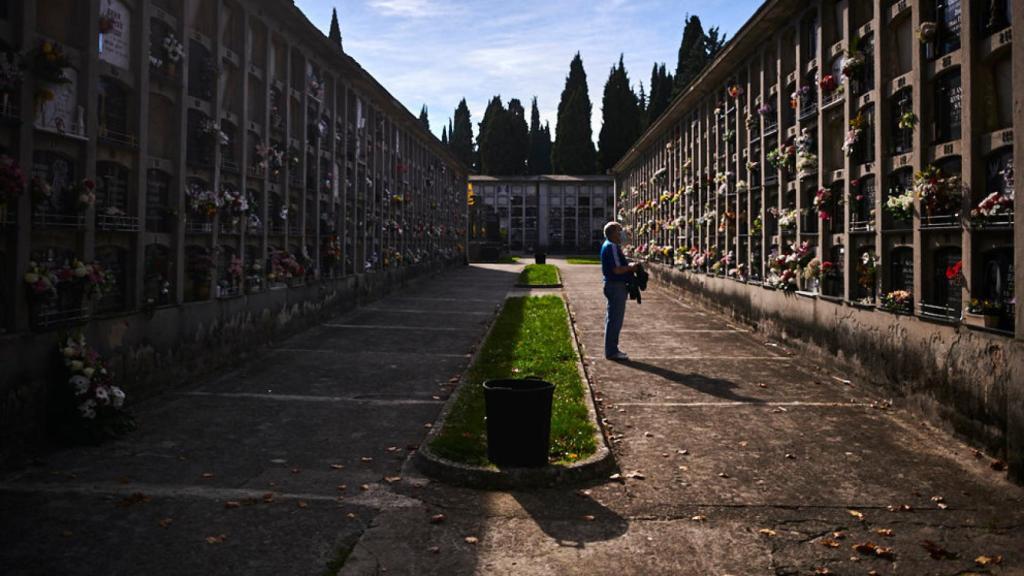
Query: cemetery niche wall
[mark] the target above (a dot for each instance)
(184, 180)
(843, 175)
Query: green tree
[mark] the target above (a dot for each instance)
(425, 118)
(696, 51)
(573, 152)
(519, 138)
(488, 141)
(661, 92)
(539, 158)
(460, 136)
(335, 34)
(444, 135)
(621, 118)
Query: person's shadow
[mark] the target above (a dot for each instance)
(572, 520)
(712, 386)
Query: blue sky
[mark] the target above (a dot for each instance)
(436, 52)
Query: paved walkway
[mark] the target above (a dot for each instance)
(747, 460)
(266, 461)
(741, 460)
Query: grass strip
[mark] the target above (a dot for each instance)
(589, 260)
(508, 259)
(531, 337)
(539, 275)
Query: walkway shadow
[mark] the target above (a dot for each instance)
(712, 386)
(566, 517)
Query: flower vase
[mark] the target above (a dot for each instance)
(982, 320)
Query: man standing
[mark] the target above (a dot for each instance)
(617, 274)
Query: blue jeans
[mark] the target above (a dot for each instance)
(617, 293)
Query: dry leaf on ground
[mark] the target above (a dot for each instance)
(219, 539)
(471, 540)
(988, 560)
(438, 518)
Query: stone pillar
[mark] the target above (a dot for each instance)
(1015, 388)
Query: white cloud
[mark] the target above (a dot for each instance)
(411, 8)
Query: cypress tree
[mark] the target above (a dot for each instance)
(573, 152)
(539, 160)
(661, 92)
(693, 54)
(519, 138)
(335, 34)
(444, 135)
(487, 140)
(641, 105)
(460, 137)
(621, 121)
(425, 118)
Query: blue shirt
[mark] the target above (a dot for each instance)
(612, 258)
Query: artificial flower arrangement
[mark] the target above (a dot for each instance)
(235, 201)
(900, 204)
(295, 160)
(853, 60)
(812, 271)
(95, 406)
(84, 192)
(867, 272)
(261, 156)
(752, 166)
(316, 87)
(926, 31)
(12, 181)
(781, 157)
(908, 121)
(739, 271)
(821, 203)
(742, 186)
(729, 135)
(984, 307)
(331, 252)
(48, 63)
(939, 193)
(765, 109)
(788, 219)
(803, 93)
(955, 274)
(900, 301)
(853, 134)
(211, 128)
(201, 200)
(993, 206)
(735, 91)
(828, 84)
(174, 51)
(284, 266)
(756, 226)
(44, 282)
(806, 159)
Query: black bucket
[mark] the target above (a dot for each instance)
(518, 421)
(540, 257)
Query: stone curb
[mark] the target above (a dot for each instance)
(538, 286)
(599, 465)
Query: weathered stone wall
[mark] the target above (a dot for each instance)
(959, 378)
(152, 353)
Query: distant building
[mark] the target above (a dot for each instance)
(557, 213)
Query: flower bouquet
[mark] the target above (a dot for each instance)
(997, 205)
(908, 121)
(202, 201)
(92, 405)
(854, 134)
(898, 301)
(48, 63)
(735, 91)
(939, 194)
(900, 205)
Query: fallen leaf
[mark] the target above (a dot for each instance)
(67, 533)
(342, 487)
(699, 518)
(683, 452)
(207, 475)
(351, 515)
(938, 552)
(296, 470)
(988, 560)
(366, 459)
(887, 532)
(471, 539)
(839, 535)
(232, 504)
(219, 539)
(942, 506)
(166, 522)
(648, 435)
(887, 553)
(392, 479)
(856, 514)
(790, 457)
(900, 508)
(364, 487)
(589, 517)
(615, 477)
(454, 379)
(762, 385)
(865, 547)
(302, 504)
(338, 466)
(438, 518)
(829, 543)
(434, 550)
(822, 570)
(392, 448)
(268, 497)
(428, 425)
(766, 532)
(723, 475)
(636, 474)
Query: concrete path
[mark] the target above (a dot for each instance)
(274, 468)
(741, 459)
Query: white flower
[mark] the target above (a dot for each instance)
(88, 372)
(68, 352)
(117, 396)
(103, 395)
(77, 366)
(81, 384)
(87, 409)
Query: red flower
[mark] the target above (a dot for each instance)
(954, 271)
